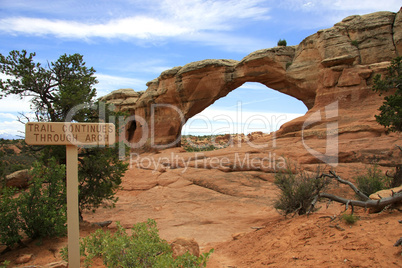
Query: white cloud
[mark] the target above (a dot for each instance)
(8, 116)
(109, 83)
(358, 5)
(313, 14)
(169, 18)
(213, 15)
(150, 66)
(5, 77)
(254, 86)
(12, 128)
(210, 23)
(136, 27)
(254, 101)
(13, 103)
(342, 5)
(229, 42)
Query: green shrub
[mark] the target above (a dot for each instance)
(373, 181)
(391, 110)
(349, 218)
(8, 151)
(2, 174)
(42, 207)
(355, 43)
(190, 145)
(282, 43)
(38, 212)
(200, 148)
(99, 173)
(10, 224)
(4, 264)
(297, 191)
(143, 248)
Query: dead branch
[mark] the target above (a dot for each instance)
(386, 174)
(365, 204)
(329, 217)
(19, 118)
(337, 227)
(351, 185)
(398, 243)
(258, 228)
(312, 206)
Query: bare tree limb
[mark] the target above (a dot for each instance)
(398, 243)
(313, 204)
(366, 204)
(386, 174)
(351, 185)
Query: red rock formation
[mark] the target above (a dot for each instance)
(333, 66)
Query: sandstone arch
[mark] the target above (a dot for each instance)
(335, 64)
(197, 85)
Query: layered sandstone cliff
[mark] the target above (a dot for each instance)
(331, 72)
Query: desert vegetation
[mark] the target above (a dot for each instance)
(282, 43)
(300, 191)
(55, 90)
(38, 212)
(143, 248)
(192, 143)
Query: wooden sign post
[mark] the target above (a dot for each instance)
(71, 135)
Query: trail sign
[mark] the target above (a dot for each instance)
(66, 133)
(71, 135)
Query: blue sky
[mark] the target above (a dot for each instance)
(130, 42)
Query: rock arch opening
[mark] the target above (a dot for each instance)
(249, 108)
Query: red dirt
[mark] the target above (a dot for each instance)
(213, 205)
(316, 241)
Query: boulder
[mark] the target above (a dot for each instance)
(18, 179)
(24, 258)
(182, 245)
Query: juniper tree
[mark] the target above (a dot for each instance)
(54, 89)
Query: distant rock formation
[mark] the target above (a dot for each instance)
(333, 66)
(124, 98)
